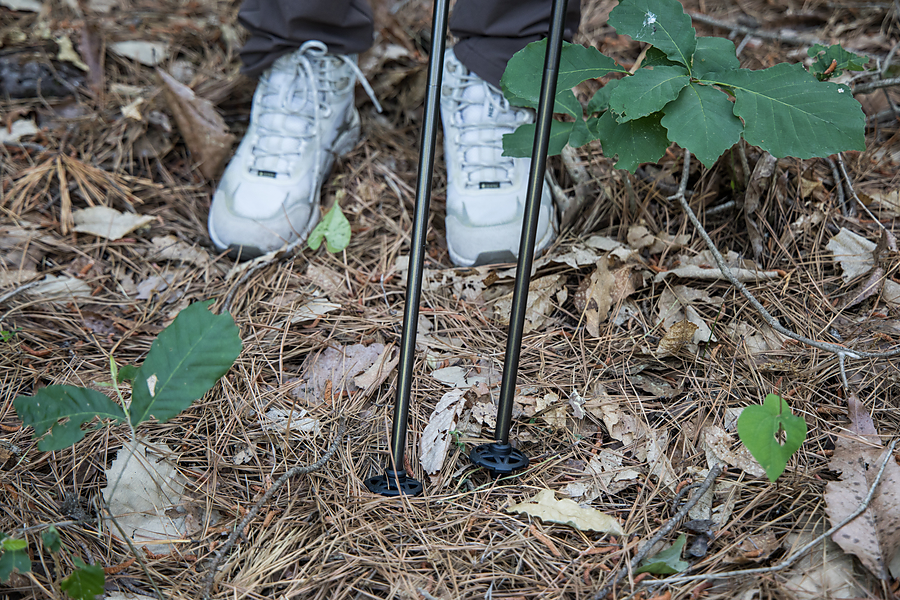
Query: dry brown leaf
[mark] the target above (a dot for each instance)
(542, 293)
(436, 439)
(594, 297)
(676, 337)
(675, 304)
(203, 129)
(754, 548)
(380, 369)
(873, 536)
(546, 507)
(338, 368)
(169, 247)
(722, 447)
(149, 53)
(703, 266)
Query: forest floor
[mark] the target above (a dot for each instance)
(607, 418)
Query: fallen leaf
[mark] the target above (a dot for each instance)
(314, 309)
(676, 337)
(722, 447)
(337, 368)
(150, 485)
(594, 297)
(554, 417)
(203, 129)
(328, 280)
(22, 5)
(169, 247)
(668, 561)
(676, 304)
(754, 548)
(108, 223)
(823, 572)
(859, 257)
(17, 129)
(873, 536)
(703, 266)
(145, 52)
(380, 370)
(154, 285)
(60, 288)
(639, 237)
(546, 507)
(541, 295)
(244, 454)
(436, 438)
(462, 377)
(653, 450)
(68, 54)
(278, 420)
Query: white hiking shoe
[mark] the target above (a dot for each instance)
(485, 191)
(303, 117)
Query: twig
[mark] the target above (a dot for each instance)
(663, 532)
(272, 257)
(839, 187)
(849, 182)
(253, 512)
(760, 33)
(767, 317)
(875, 85)
(887, 455)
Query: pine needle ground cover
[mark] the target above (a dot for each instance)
(636, 364)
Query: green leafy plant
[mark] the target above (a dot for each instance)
(334, 229)
(7, 336)
(688, 90)
(184, 362)
(666, 562)
(834, 60)
(771, 433)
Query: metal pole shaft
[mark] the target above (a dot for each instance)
(420, 226)
(529, 226)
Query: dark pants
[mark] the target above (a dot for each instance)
(489, 31)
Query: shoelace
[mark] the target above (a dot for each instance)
(492, 158)
(321, 80)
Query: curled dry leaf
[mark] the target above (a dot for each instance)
(546, 507)
(436, 439)
(722, 447)
(675, 304)
(678, 335)
(203, 129)
(703, 266)
(873, 536)
(542, 293)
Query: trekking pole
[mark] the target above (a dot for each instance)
(395, 481)
(499, 457)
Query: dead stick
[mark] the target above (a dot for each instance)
(292, 472)
(663, 532)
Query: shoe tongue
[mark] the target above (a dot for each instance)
(483, 144)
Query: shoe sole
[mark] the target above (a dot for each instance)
(502, 256)
(343, 144)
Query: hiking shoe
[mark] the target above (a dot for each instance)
(303, 117)
(485, 190)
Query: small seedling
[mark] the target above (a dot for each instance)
(771, 433)
(689, 90)
(334, 228)
(7, 336)
(666, 562)
(184, 363)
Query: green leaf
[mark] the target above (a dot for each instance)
(51, 539)
(666, 562)
(13, 544)
(701, 120)
(14, 560)
(760, 428)
(600, 100)
(85, 582)
(521, 81)
(655, 57)
(662, 23)
(647, 91)
(714, 54)
(635, 142)
(520, 143)
(334, 228)
(75, 405)
(842, 59)
(184, 362)
(787, 112)
(126, 373)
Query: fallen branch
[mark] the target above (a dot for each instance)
(663, 532)
(875, 85)
(253, 512)
(791, 559)
(842, 352)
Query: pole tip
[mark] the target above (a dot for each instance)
(499, 459)
(394, 483)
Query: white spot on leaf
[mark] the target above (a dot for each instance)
(650, 19)
(151, 384)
